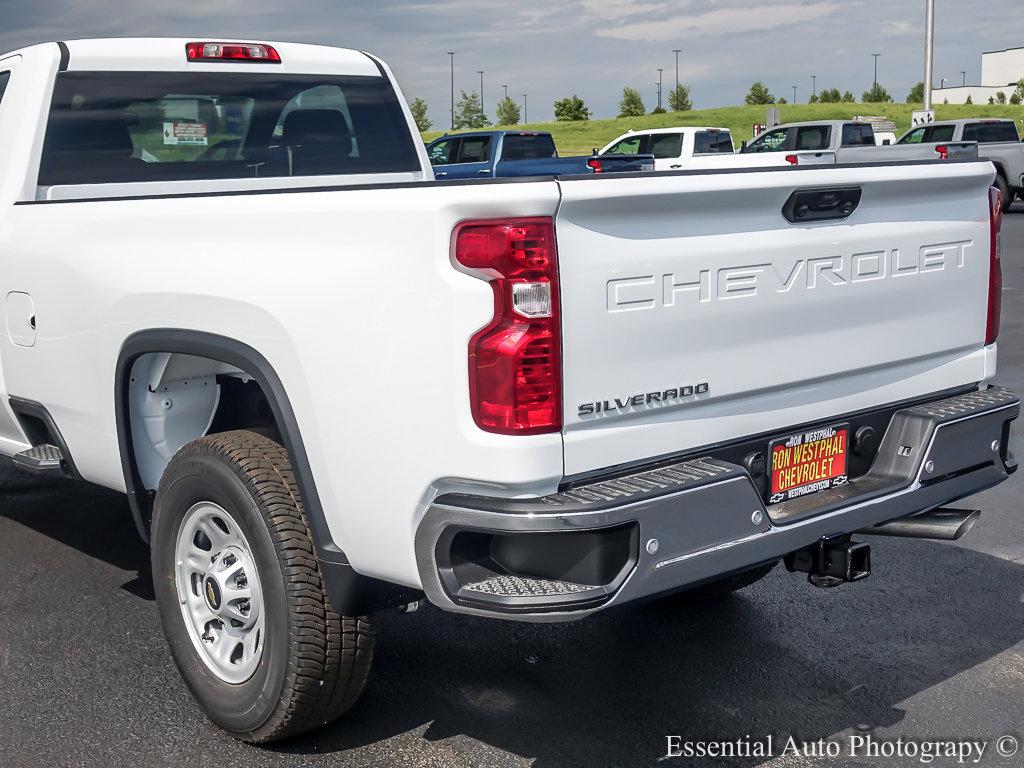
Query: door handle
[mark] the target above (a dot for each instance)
(675, 166)
(440, 173)
(823, 204)
(484, 170)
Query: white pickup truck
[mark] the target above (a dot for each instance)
(689, 148)
(330, 385)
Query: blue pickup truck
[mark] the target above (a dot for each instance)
(490, 154)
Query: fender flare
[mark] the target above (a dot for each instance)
(350, 592)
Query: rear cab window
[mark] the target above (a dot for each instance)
(526, 146)
(5, 77)
(474, 149)
(991, 131)
(813, 138)
(665, 146)
(120, 127)
(858, 135)
(712, 143)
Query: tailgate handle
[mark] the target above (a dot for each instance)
(825, 204)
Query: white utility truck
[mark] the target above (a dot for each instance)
(330, 385)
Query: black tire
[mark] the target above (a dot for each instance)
(715, 590)
(314, 662)
(1004, 190)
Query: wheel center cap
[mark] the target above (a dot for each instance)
(211, 589)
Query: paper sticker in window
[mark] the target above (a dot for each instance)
(187, 134)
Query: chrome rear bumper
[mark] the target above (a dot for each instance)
(662, 529)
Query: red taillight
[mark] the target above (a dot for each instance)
(995, 272)
(258, 53)
(515, 361)
(942, 151)
(594, 164)
(792, 159)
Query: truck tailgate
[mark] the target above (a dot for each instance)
(694, 313)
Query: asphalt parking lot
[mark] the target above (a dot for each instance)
(931, 646)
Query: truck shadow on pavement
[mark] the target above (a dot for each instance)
(778, 658)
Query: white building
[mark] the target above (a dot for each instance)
(1000, 71)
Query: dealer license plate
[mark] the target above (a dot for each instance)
(808, 462)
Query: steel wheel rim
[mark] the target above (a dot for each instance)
(219, 592)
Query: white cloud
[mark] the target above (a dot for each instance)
(723, 21)
(614, 10)
(899, 29)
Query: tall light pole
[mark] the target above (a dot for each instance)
(814, 85)
(929, 48)
(794, 94)
(660, 70)
(677, 51)
(506, 90)
(481, 73)
(875, 83)
(451, 56)
(964, 73)
(525, 113)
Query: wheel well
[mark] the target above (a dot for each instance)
(175, 398)
(233, 386)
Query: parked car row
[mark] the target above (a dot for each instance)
(827, 142)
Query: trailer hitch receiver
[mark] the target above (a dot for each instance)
(832, 562)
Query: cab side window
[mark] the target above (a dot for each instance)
(916, 136)
(773, 141)
(443, 152)
(628, 146)
(4, 79)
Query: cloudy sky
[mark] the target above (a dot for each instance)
(552, 48)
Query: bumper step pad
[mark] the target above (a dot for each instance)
(518, 586)
(42, 459)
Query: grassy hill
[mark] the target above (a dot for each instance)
(581, 138)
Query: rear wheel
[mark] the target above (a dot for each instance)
(241, 596)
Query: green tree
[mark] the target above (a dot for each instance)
(916, 95)
(848, 98)
(1015, 99)
(659, 111)
(991, 99)
(469, 113)
(877, 95)
(632, 104)
(1001, 97)
(813, 99)
(508, 112)
(759, 94)
(969, 100)
(830, 96)
(679, 99)
(571, 109)
(419, 114)
(782, 100)
(1019, 93)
